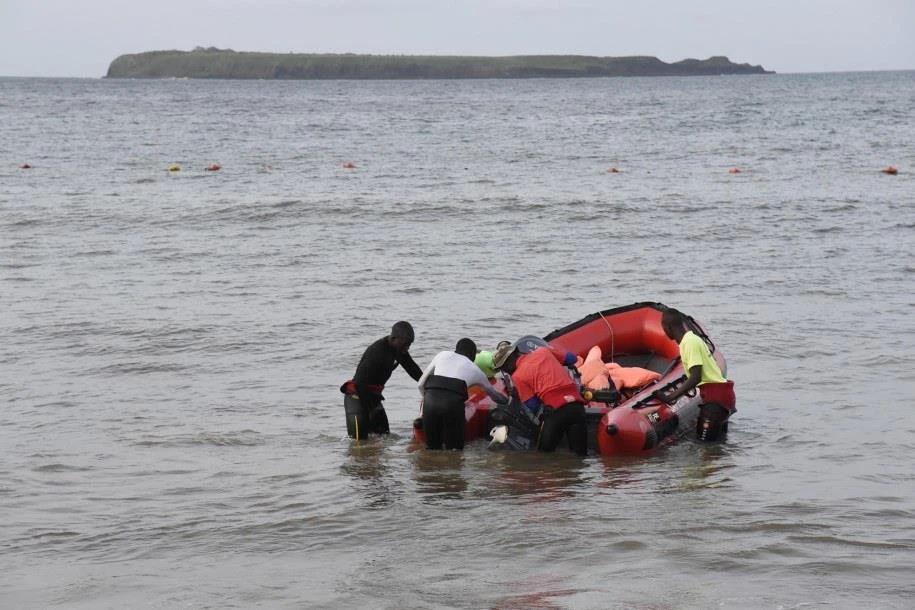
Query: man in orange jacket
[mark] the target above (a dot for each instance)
(543, 382)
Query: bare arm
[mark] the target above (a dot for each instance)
(478, 378)
(692, 380)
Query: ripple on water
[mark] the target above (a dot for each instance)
(242, 438)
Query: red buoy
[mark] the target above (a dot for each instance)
(214, 167)
(349, 165)
(889, 169)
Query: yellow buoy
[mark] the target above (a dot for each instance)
(174, 167)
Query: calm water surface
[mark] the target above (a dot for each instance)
(171, 432)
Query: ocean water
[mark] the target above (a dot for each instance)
(172, 343)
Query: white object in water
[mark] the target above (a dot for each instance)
(499, 435)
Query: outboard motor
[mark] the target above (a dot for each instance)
(521, 426)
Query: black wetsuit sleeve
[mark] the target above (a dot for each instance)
(409, 365)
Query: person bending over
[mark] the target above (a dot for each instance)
(717, 401)
(363, 400)
(541, 380)
(444, 386)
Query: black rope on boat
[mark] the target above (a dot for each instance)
(643, 402)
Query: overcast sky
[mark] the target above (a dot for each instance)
(81, 37)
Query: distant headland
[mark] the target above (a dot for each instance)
(226, 63)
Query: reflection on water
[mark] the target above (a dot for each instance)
(539, 476)
(438, 474)
(712, 470)
(369, 465)
(540, 600)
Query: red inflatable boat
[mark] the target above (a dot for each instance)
(628, 421)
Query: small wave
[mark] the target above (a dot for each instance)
(847, 542)
(57, 467)
(25, 222)
(841, 208)
(17, 265)
(89, 253)
(243, 438)
(141, 368)
(629, 545)
(54, 534)
(824, 292)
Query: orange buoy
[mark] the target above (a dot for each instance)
(734, 170)
(889, 169)
(613, 170)
(349, 165)
(214, 167)
(25, 166)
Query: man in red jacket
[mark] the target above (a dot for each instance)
(543, 382)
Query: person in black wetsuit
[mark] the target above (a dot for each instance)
(363, 401)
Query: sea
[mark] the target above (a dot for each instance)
(172, 343)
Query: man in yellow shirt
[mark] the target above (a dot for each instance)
(717, 401)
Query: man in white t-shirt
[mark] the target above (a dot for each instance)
(444, 386)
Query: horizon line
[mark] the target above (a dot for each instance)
(773, 73)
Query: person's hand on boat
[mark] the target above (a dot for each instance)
(661, 396)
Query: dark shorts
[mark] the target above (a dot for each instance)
(362, 419)
(443, 419)
(568, 420)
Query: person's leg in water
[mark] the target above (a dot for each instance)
(378, 420)
(357, 418)
(568, 420)
(550, 430)
(432, 420)
(576, 427)
(453, 425)
(718, 404)
(712, 424)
